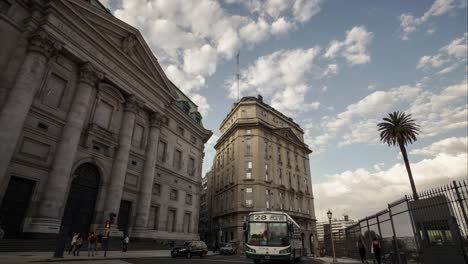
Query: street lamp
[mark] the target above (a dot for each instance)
(329, 215)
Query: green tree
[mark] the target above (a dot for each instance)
(400, 129)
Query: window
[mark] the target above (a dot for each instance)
(191, 167)
(103, 114)
(279, 155)
(171, 219)
(268, 204)
(173, 195)
(187, 221)
(189, 199)
(138, 132)
(153, 222)
(282, 206)
(249, 203)
(280, 176)
(266, 149)
(54, 92)
(288, 160)
(266, 173)
(193, 139)
(177, 159)
(232, 155)
(248, 147)
(162, 148)
(248, 190)
(438, 233)
(267, 192)
(248, 131)
(296, 161)
(157, 189)
(231, 176)
(248, 174)
(180, 131)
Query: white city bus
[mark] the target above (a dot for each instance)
(272, 236)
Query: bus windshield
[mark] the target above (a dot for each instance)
(268, 234)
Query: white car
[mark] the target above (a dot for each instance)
(228, 249)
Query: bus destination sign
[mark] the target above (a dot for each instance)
(268, 218)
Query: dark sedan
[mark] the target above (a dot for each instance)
(190, 248)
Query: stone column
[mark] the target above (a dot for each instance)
(119, 167)
(28, 80)
(146, 184)
(53, 201)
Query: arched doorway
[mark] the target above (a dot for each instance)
(81, 200)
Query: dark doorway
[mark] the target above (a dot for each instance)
(14, 206)
(79, 210)
(311, 242)
(123, 219)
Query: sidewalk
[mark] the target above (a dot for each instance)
(28, 257)
(339, 260)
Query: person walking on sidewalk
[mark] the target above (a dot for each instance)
(91, 243)
(73, 243)
(362, 250)
(377, 250)
(125, 242)
(78, 244)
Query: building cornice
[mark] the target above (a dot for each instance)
(250, 100)
(257, 122)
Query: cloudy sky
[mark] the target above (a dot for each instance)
(336, 67)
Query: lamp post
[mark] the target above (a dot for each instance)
(329, 214)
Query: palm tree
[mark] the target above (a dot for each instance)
(399, 128)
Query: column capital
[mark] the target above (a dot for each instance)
(89, 74)
(156, 119)
(43, 43)
(131, 104)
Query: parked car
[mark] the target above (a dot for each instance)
(228, 249)
(189, 249)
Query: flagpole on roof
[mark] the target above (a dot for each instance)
(238, 75)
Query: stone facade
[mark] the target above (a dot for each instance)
(90, 125)
(261, 164)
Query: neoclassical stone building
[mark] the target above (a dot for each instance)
(89, 125)
(261, 164)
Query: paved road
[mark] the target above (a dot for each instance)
(208, 260)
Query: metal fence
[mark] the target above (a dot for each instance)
(431, 229)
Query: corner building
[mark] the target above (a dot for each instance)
(261, 164)
(89, 125)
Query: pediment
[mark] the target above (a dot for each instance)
(288, 134)
(126, 42)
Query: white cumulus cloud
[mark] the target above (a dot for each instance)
(409, 23)
(354, 48)
(281, 76)
(362, 192)
(451, 146)
(453, 53)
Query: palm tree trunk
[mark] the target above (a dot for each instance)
(408, 169)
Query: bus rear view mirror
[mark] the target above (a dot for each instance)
(244, 227)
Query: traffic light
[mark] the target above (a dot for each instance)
(108, 224)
